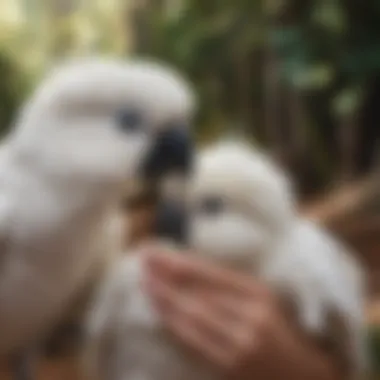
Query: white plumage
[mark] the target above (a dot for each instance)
(243, 216)
(85, 133)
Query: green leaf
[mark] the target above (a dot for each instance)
(347, 101)
(314, 77)
(286, 39)
(330, 15)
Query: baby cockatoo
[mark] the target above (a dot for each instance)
(242, 215)
(90, 128)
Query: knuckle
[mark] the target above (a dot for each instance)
(265, 320)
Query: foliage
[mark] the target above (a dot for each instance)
(326, 50)
(329, 51)
(12, 91)
(215, 43)
(35, 34)
(336, 39)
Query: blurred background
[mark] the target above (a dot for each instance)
(299, 77)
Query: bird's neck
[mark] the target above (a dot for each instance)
(68, 198)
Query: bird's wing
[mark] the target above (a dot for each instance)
(102, 324)
(345, 288)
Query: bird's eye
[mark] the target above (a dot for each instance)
(130, 120)
(211, 206)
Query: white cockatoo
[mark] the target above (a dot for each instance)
(244, 214)
(241, 214)
(92, 126)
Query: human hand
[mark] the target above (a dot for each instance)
(231, 320)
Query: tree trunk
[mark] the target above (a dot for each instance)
(142, 34)
(347, 128)
(272, 103)
(368, 135)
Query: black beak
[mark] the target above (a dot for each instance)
(171, 221)
(172, 152)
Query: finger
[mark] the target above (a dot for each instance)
(190, 306)
(195, 339)
(181, 269)
(215, 326)
(242, 308)
(201, 328)
(225, 353)
(232, 307)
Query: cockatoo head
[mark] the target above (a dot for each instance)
(105, 122)
(240, 203)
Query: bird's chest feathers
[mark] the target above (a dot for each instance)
(57, 235)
